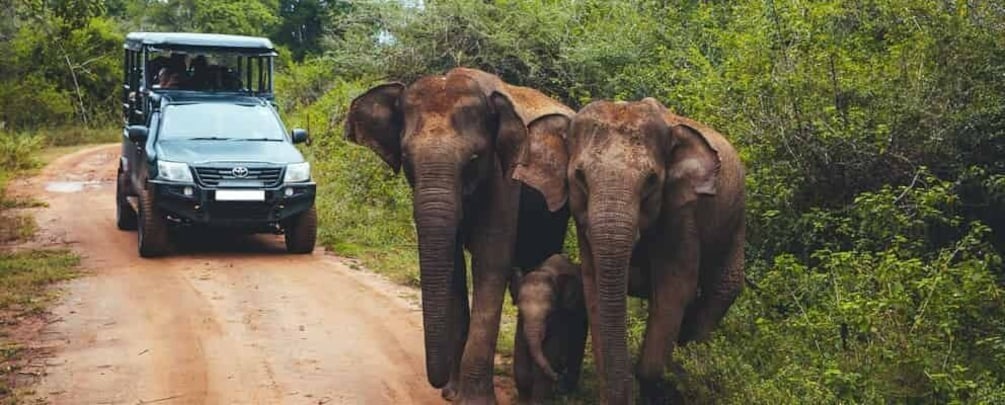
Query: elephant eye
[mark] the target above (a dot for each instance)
(652, 180)
(474, 156)
(580, 178)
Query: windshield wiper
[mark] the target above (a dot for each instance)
(209, 138)
(258, 139)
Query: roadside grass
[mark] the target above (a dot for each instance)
(16, 227)
(18, 154)
(76, 135)
(27, 275)
(25, 278)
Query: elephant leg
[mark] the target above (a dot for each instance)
(477, 365)
(522, 365)
(674, 275)
(721, 285)
(575, 347)
(491, 244)
(458, 319)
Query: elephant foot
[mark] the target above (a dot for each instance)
(450, 392)
(659, 392)
(566, 384)
(489, 399)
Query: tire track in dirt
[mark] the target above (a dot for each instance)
(229, 319)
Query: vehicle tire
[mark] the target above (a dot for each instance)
(152, 236)
(302, 232)
(125, 216)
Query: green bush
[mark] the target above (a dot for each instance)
(888, 317)
(365, 210)
(18, 151)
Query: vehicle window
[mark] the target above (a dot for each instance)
(218, 121)
(208, 71)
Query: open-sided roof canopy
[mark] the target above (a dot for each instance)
(192, 42)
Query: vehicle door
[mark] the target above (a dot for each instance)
(137, 157)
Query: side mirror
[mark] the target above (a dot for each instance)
(137, 133)
(299, 135)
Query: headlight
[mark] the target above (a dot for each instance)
(297, 172)
(174, 171)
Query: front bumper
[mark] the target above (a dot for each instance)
(202, 208)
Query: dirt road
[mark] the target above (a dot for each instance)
(237, 321)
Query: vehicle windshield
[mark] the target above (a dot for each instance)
(219, 121)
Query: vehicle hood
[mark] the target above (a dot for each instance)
(196, 152)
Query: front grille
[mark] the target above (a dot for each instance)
(211, 176)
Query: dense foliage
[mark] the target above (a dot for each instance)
(873, 132)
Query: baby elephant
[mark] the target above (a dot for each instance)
(551, 329)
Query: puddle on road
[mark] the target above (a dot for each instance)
(70, 186)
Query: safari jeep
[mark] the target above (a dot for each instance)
(203, 145)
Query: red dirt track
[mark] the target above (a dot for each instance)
(228, 319)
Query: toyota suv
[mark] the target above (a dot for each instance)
(203, 145)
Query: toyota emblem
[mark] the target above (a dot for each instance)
(240, 171)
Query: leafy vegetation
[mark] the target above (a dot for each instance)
(24, 277)
(873, 132)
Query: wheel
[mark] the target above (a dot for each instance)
(302, 232)
(125, 216)
(152, 235)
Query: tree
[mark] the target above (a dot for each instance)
(303, 23)
(255, 17)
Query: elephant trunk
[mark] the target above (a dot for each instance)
(613, 227)
(534, 329)
(437, 215)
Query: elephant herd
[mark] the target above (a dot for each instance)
(498, 169)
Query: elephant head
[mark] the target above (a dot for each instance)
(452, 135)
(553, 289)
(629, 163)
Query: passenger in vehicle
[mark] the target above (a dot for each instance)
(154, 67)
(202, 77)
(229, 80)
(173, 75)
(169, 78)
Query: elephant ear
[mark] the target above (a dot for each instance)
(535, 152)
(544, 159)
(693, 160)
(510, 130)
(376, 120)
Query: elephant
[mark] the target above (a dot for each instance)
(461, 140)
(658, 202)
(551, 329)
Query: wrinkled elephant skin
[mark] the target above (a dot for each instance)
(463, 142)
(551, 329)
(658, 201)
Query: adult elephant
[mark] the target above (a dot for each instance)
(459, 138)
(658, 201)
